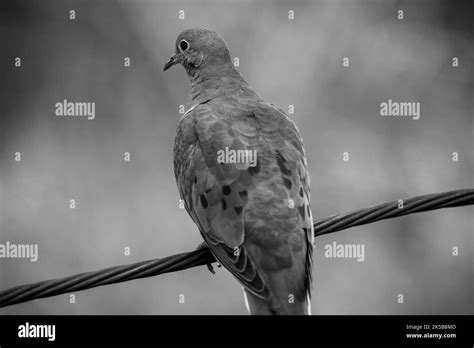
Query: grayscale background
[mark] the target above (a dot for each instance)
(295, 62)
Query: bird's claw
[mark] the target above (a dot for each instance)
(211, 268)
(203, 245)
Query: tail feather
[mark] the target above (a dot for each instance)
(257, 306)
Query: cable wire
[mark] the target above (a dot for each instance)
(178, 262)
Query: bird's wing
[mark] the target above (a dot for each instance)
(216, 194)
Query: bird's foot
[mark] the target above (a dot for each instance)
(203, 245)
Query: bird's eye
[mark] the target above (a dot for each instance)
(183, 45)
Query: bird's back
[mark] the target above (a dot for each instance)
(261, 210)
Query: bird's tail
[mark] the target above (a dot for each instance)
(257, 306)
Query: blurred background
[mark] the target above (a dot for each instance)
(289, 62)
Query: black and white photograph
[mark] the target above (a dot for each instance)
(206, 161)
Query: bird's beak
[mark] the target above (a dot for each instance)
(172, 61)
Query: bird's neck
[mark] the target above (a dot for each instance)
(210, 83)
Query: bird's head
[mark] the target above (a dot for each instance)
(200, 49)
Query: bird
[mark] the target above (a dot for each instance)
(241, 170)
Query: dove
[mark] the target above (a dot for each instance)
(254, 213)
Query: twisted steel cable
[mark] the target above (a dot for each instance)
(201, 257)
